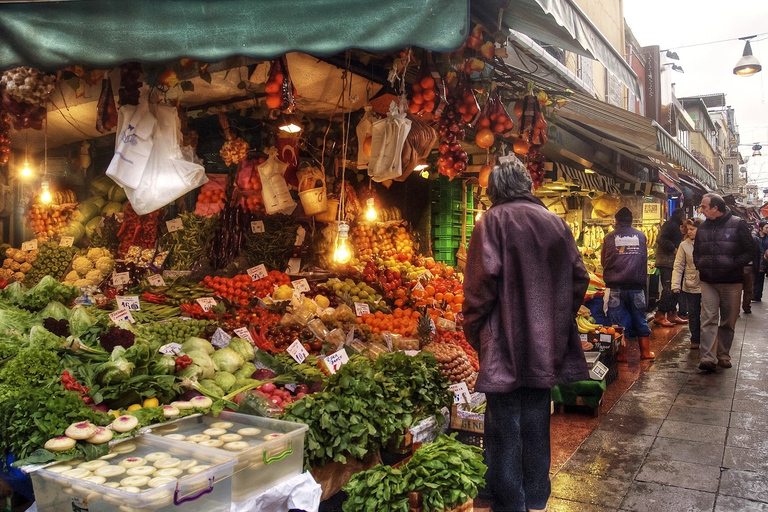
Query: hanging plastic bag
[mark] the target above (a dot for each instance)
(134, 142)
(275, 192)
(364, 130)
(168, 174)
(387, 139)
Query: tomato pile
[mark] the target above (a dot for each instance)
(240, 289)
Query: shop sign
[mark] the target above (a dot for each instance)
(651, 211)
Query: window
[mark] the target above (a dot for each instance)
(684, 137)
(729, 174)
(585, 70)
(613, 94)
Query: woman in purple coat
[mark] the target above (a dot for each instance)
(523, 285)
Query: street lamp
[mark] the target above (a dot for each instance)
(748, 64)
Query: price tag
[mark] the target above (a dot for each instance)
(66, 241)
(207, 303)
(350, 336)
(294, 266)
(419, 286)
(244, 333)
(388, 340)
(156, 280)
(606, 338)
(334, 361)
(301, 233)
(171, 348)
(257, 272)
(598, 371)
(174, 225)
(129, 302)
(445, 324)
(220, 339)
(411, 353)
(432, 327)
(121, 278)
(460, 393)
(583, 337)
(257, 226)
(300, 285)
(29, 246)
(426, 274)
(121, 315)
(361, 308)
(297, 351)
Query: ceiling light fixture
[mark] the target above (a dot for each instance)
(289, 123)
(589, 171)
(748, 64)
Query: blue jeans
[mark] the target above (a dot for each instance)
(517, 449)
(627, 309)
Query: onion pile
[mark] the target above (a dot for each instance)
(25, 91)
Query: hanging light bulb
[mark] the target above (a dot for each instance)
(45, 194)
(26, 172)
(370, 213)
(342, 254)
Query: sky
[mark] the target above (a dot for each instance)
(708, 68)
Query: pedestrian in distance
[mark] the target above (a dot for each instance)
(670, 237)
(682, 305)
(523, 285)
(760, 264)
(686, 281)
(723, 247)
(625, 269)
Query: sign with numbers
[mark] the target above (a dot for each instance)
(244, 333)
(121, 315)
(297, 351)
(460, 392)
(129, 302)
(156, 280)
(300, 285)
(257, 226)
(257, 272)
(171, 348)
(334, 361)
(362, 308)
(174, 225)
(66, 241)
(207, 303)
(121, 278)
(29, 246)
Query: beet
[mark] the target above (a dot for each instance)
(263, 374)
(100, 408)
(316, 387)
(189, 394)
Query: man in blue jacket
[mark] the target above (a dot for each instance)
(723, 247)
(625, 269)
(760, 264)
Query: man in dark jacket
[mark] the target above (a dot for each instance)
(723, 247)
(625, 270)
(761, 239)
(670, 237)
(524, 283)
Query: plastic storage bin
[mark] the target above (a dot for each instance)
(265, 463)
(193, 490)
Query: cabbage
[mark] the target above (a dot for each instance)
(165, 365)
(91, 225)
(80, 320)
(245, 371)
(97, 200)
(101, 185)
(117, 369)
(210, 387)
(56, 310)
(243, 348)
(14, 293)
(117, 194)
(191, 372)
(227, 360)
(225, 380)
(112, 208)
(86, 212)
(195, 344)
(204, 361)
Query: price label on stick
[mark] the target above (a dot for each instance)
(244, 333)
(174, 225)
(257, 272)
(171, 348)
(300, 285)
(121, 278)
(294, 266)
(334, 361)
(362, 308)
(388, 340)
(29, 246)
(446, 325)
(297, 351)
(419, 286)
(257, 226)
(66, 241)
(121, 315)
(220, 339)
(129, 302)
(301, 233)
(156, 280)
(460, 393)
(207, 303)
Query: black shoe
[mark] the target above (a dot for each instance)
(722, 363)
(747, 311)
(707, 366)
(756, 300)
(694, 346)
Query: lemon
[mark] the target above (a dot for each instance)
(151, 402)
(133, 407)
(322, 301)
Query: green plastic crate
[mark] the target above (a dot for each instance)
(447, 231)
(445, 254)
(447, 243)
(446, 219)
(447, 206)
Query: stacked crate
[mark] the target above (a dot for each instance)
(448, 209)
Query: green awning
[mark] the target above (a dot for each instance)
(106, 33)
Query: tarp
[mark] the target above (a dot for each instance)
(586, 181)
(106, 33)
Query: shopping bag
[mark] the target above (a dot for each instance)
(133, 143)
(387, 139)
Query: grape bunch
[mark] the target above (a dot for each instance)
(453, 159)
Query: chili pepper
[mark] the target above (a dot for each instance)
(155, 298)
(183, 362)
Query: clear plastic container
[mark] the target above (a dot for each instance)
(318, 328)
(194, 488)
(336, 337)
(274, 454)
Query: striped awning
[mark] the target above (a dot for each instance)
(644, 188)
(578, 177)
(670, 179)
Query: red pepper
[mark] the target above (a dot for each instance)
(183, 362)
(154, 298)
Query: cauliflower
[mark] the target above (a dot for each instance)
(72, 276)
(30, 257)
(18, 276)
(94, 275)
(6, 273)
(82, 265)
(105, 264)
(25, 267)
(19, 256)
(16, 266)
(81, 283)
(7, 262)
(9, 252)
(95, 253)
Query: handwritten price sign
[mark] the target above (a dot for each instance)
(121, 315)
(174, 225)
(129, 302)
(207, 303)
(297, 351)
(257, 272)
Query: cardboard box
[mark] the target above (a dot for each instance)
(467, 421)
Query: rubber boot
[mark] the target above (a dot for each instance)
(621, 354)
(661, 320)
(672, 317)
(645, 348)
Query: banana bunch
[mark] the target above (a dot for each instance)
(651, 234)
(575, 229)
(593, 238)
(586, 325)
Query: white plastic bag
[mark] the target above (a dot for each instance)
(277, 196)
(387, 139)
(134, 142)
(168, 174)
(364, 131)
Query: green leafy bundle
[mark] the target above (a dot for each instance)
(445, 473)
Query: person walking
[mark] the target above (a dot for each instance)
(523, 285)
(670, 237)
(685, 281)
(760, 264)
(682, 306)
(723, 247)
(625, 271)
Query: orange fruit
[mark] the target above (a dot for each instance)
(274, 100)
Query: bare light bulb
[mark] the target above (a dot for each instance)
(370, 214)
(26, 172)
(45, 195)
(342, 254)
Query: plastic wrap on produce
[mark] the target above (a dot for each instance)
(300, 492)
